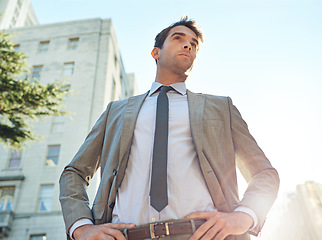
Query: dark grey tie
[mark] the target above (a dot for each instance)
(158, 190)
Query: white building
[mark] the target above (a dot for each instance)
(86, 54)
(16, 13)
(297, 216)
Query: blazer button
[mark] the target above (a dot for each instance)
(111, 205)
(114, 172)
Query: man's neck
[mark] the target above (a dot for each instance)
(169, 78)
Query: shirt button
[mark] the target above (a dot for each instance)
(114, 172)
(153, 220)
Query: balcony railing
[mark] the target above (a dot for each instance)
(5, 223)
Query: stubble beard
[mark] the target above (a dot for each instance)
(177, 66)
(182, 69)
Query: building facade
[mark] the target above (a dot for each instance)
(17, 13)
(86, 56)
(298, 216)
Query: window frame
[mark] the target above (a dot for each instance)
(66, 68)
(73, 43)
(38, 72)
(48, 160)
(43, 46)
(11, 158)
(43, 235)
(42, 199)
(16, 47)
(58, 124)
(7, 198)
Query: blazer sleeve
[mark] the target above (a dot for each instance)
(77, 174)
(262, 178)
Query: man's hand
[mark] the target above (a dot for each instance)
(219, 224)
(105, 231)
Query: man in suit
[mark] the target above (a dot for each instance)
(207, 139)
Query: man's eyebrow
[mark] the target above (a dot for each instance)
(183, 34)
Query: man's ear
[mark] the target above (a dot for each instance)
(155, 53)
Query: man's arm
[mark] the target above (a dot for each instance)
(262, 178)
(263, 183)
(76, 175)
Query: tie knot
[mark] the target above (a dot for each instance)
(165, 88)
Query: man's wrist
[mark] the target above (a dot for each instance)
(77, 224)
(250, 212)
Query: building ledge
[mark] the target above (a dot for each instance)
(37, 214)
(19, 177)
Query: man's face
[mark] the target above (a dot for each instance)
(179, 50)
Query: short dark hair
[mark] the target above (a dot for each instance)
(184, 21)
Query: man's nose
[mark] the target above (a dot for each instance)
(187, 46)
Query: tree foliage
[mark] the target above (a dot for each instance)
(21, 99)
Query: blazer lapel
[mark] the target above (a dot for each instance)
(131, 113)
(196, 105)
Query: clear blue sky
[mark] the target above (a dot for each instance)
(265, 54)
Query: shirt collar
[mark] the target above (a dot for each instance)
(180, 87)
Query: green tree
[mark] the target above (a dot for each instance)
(22, 100)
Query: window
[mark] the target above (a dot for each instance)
(28, 21)
(52, 155)
(17, 12)
(73, 43)
(16, 47)
(38, 237)
(115, 60)
(36, 72)
(64, 87)
(121, 78)
(43, 47)
(45, 198)
(6, 198)
(58, 124)
(68, 69)
(113, 89)
(19, 3)
(15, 159)
(13, 21)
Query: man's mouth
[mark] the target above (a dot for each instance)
(185, 55)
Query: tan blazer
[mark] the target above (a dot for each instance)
(221, 140)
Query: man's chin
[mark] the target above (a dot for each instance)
(183, 70)
(189, 70)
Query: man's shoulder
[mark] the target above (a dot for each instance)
(209, 96)
(124, 102)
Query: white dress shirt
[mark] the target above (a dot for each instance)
(187, 189)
